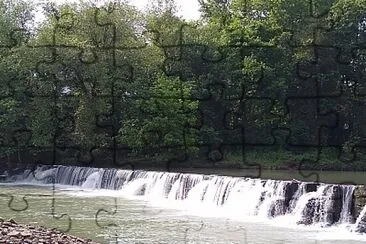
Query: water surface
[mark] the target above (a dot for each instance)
(136, 221)
(334, 177)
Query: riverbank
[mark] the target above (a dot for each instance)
(254, 158)
(12, 232)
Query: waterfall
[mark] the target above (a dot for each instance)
(345, 216)
(274, 198)
(299, 192)
(361, 218)
(303, 203)
(92, 181)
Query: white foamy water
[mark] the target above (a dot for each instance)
(283, 203)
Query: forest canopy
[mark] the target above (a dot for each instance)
(258, 81)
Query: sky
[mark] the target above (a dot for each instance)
(188, 9)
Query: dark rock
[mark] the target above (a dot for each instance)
(12, 221)
(17, 233)
(337, 192)
(290, 190)
(310, 187)
(359, 200)
(316, 211)
(16, 171)
(361, 227)
(335, 205)
(262, 197)
(277, 208)
(308, 213)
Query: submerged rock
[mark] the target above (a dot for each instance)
(277, 208)
(141, 191)
(308, 212)
(361, 226)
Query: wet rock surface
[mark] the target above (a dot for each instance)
(361, 227)
(12, 232)
(290, 190)
(311, 187)
(336, 205)
(359, 200)
(277, 208)
(309, 212)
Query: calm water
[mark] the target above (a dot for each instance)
(139, 222)
(334, 177)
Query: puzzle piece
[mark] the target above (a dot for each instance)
(14, 205)
(46, 176)
(234, 98)
(313, 14)
(57, 216)
(358, 85)
(107, 212)
(98, 218)
(190, 230)
(319, 78)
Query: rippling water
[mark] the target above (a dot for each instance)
(136, 221)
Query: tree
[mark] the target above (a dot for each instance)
(16, 17)
(163, 123)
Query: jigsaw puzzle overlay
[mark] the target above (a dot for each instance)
(254, 85)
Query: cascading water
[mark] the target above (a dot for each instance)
(345, 215)
(360, 221)
(302, 203)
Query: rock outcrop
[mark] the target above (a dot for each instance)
(359, 200)
(361, 225)
(336, 203)
(12, 232)
(290, 190)
(310, 187)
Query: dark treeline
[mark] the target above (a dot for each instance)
(274, 82)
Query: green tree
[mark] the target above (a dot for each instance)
(163, 123)
(15, 18)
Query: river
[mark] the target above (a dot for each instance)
(155, 207)
(334, 177)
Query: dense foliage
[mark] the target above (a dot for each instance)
(278, 75)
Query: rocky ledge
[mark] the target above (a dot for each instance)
(12, 232)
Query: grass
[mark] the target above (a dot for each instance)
(267, 157)
(279, 158)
